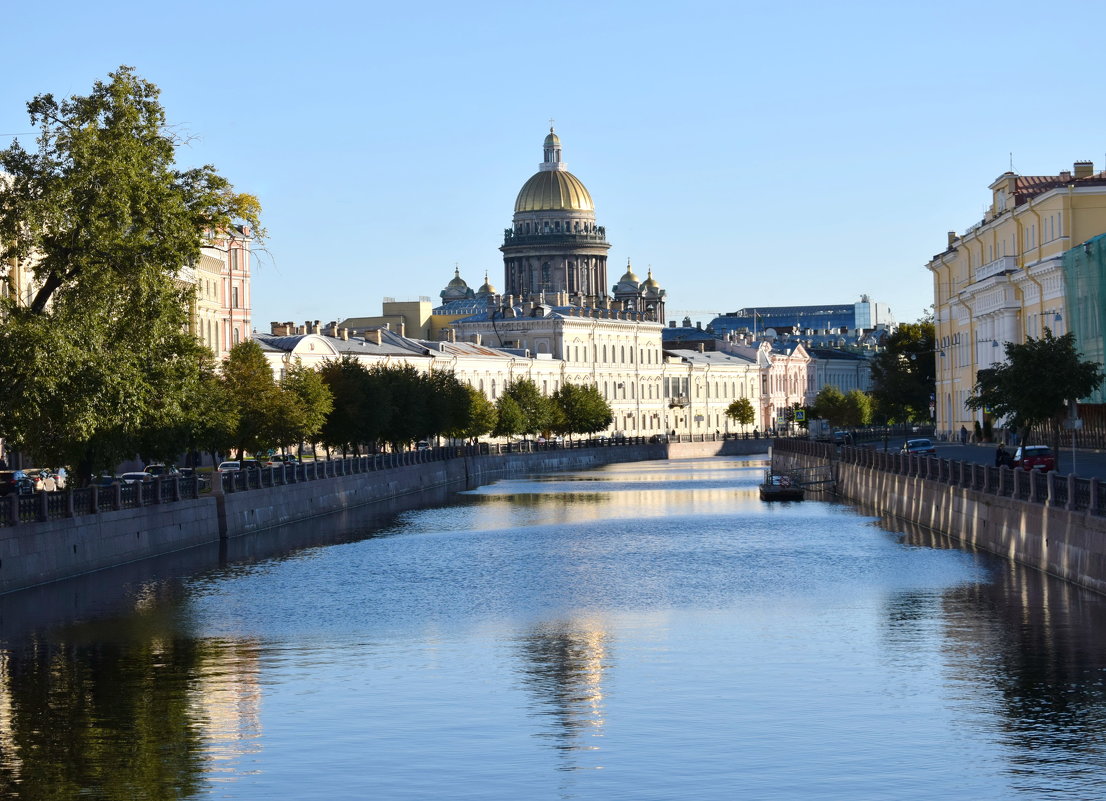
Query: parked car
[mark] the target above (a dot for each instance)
(422, 445)
(162, 470)
(250, 464)
(17, 482)
(105, 480)
(1035, 457)
(137, 477)
(920, 446)
(658, 438)
(278, 459)
(229, 467)
(41, 478)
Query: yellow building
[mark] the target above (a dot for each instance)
(1002, 279)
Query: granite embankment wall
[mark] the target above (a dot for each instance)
(37, 553)
(1051, 535)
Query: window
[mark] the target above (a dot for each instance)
(234, 297)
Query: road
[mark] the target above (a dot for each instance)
(1084, 463)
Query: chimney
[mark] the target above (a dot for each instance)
(378, 336)
(402, 328)
(345, 334)
(475, 339)
(1065, 175)
(316, 329)
(452, 334)
(1083, 169)
(671, 323)
(702, 347)
(952, 238)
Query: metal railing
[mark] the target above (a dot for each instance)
(46, 506)
(1032, 486)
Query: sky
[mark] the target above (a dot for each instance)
(752, 154)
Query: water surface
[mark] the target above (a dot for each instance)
(642, 631)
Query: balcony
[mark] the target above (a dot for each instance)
(510, 238)
(1005, 264)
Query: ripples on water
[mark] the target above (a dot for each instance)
(645, 631)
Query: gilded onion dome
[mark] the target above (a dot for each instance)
(486, 288)
(651, 282)
(456, 289)
(628, 283)
(553, 187)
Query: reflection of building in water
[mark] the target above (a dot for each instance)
(9, 749)
(563, 666)
(226, 702)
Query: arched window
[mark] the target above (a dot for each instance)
(235, 336)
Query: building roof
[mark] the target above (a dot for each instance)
(391, 344)
(715, 357)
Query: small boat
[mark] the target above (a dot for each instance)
(781, 487)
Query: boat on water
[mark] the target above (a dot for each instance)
(781, 487)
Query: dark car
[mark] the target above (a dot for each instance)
(920, 446)
(250, 464)
(1035, 457)
(16, 481)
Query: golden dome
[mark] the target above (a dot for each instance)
(554, 190)
(651, 282)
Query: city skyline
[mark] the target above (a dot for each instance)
(751, 156)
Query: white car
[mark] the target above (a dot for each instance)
(229, 467)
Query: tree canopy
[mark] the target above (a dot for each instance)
(97, 351)
(741, 411)
(904, 374)
(581, 409)
(1034, 385)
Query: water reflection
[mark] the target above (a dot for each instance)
(563, 665)
(684, 637)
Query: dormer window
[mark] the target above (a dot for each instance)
(1000, 202)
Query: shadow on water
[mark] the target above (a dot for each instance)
(123, 589)
(1032, 642)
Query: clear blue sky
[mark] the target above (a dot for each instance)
(752, 153)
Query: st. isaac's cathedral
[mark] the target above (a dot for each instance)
(556, 320)
(555, 255)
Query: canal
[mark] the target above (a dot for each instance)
(641, 631)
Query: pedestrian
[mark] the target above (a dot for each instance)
(963, 435)
(1001, 455)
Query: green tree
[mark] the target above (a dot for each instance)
(857, 409)
(580, 409)
(510, 420)
(213, 418)
(904, 373)
(362, 407)
(254, 393)
(1033, 388)
(105, 221)
(537, 410)
(741, 411)
(830, 405)
(480, 419)
(315, 402)
(448, 404)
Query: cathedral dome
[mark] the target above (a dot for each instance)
(554, 190)
(553, 187)
(486, 288)
(456, 289)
